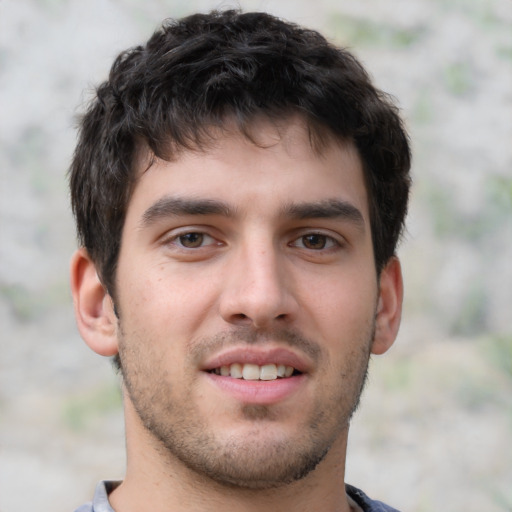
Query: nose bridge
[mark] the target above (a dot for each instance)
(257, 290)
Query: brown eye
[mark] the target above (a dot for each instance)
(314, 241)
(191, 240)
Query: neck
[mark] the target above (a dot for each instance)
(157, 481)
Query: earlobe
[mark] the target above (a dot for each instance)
(94, 310)
(389, 307)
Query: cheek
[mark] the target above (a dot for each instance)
(164, 303)
(343, 305)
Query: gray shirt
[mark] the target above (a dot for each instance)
(103, 489)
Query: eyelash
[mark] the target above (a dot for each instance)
(327, 242)
(177, 240)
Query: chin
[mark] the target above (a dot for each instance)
(262, 470)
(254, 458)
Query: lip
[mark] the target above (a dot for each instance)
(259, 356)
(258, 392)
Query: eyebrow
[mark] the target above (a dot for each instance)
(169, 206)
(325, 209)
(176, 206)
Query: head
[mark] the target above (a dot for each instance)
(205, 72)
(239, 187)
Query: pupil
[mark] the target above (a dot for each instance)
(314, 241)
(191, 240)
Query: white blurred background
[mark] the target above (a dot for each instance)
(435, 428)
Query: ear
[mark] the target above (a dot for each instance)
(94, 309)
(389, 307)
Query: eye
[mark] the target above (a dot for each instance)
(315, 242)
(193, 240)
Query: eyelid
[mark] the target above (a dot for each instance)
(206, 240)
(337, 240)
(172, 236)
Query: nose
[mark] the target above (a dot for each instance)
(258, 290)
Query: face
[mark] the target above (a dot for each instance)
(247, 298)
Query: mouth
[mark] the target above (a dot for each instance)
(258, 375)
(250, 371)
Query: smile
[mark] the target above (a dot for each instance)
(255, 372)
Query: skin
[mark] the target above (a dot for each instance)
(256, 249)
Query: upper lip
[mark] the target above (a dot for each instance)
(258, 355)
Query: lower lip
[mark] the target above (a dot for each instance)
(258, 392)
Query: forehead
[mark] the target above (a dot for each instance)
(291, 131)
(269, 162)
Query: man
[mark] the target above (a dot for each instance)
(239, 188)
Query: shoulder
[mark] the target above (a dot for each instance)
(367, 504)
(100, 501)
(85, 508)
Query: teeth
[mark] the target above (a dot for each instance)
(268, 372)
(251, 372)
(235, 370)
(255, 372)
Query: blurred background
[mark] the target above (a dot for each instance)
(434, 431)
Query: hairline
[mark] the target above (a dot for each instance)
(319, 137)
